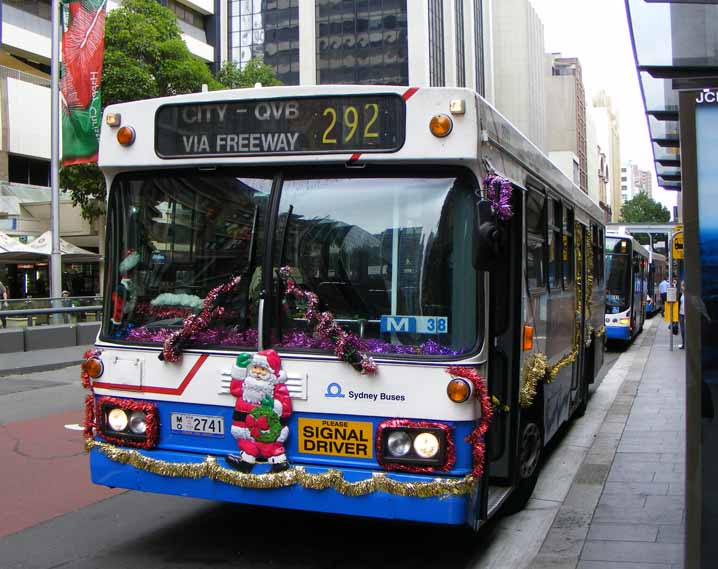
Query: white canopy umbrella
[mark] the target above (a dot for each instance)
(43, 246)
(12, 250)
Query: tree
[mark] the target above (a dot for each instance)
(233, 77)
(642, 209)
(145, 57)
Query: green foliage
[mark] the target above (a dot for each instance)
(232, 77)
(642, 209)
(87, 188)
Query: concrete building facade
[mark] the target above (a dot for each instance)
(520, 68)
(634, 180)
(566, 113)
(609, 142)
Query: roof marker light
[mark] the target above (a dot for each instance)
(441, 126)
(113, 119)
(126, 136)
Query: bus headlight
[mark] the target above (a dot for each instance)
(426, 445)
(398, 443)
(138, 424)
(624, 321)
(127, 422)
(117, 419)
(403, 444)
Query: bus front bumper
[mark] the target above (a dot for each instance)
(618, 333)
(179, 481)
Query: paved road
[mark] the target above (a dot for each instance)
(53, 517)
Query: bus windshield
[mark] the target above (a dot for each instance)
(389, 256)
(618, 276)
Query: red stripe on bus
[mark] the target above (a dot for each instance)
(409, 93)
(161, 390)
(406, 96)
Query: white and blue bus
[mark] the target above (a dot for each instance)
(627, 273)
(427, 334)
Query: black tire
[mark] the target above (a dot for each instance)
(530, 453)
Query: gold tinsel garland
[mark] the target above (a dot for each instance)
(534, 372)
(564, 361)
(210, 468)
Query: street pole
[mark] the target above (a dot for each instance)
(55, 256)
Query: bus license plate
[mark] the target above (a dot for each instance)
(206, 425)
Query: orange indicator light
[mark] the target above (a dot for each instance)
(528, 338)
(440, 126)
(126, 135)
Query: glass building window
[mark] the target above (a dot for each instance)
(460, 47)
(436, 43)
(24, 170)
(267, 30)
(479, 45)
(362, 42)
(39, 8)
(186, 14)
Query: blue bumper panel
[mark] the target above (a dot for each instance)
(443, 510)
(618, 333)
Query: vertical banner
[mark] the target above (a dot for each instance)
(83, 42)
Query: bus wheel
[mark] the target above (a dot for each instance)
(530, 449)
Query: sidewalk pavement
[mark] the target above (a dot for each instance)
(40, 360)
(625, 508)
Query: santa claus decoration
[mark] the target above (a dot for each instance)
(260, 412)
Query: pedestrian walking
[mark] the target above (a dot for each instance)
(682, 316)
(663, 291)
(4, 297)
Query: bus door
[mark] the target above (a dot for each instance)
(505, 313)
(583, 249)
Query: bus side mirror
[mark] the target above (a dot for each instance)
(486, 241)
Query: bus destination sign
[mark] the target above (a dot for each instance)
(354, 123)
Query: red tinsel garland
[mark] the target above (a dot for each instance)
(172, 348)
(416, 468)
(346, 345)
(90, 425)
(476, 437)
(151, 420)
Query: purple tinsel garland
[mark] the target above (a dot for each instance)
(499, 190)
(345, 344)
(296, 339)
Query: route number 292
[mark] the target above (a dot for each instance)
(347, 124)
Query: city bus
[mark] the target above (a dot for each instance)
(657, 271)
(361, 300)
(627, 270)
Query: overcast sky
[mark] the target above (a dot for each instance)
(596, 31)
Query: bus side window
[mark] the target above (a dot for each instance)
(535, 240)
(554, 244)
(567, 241)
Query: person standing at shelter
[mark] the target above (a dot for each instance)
(663, 291)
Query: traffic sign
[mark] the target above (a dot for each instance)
(678, 246)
